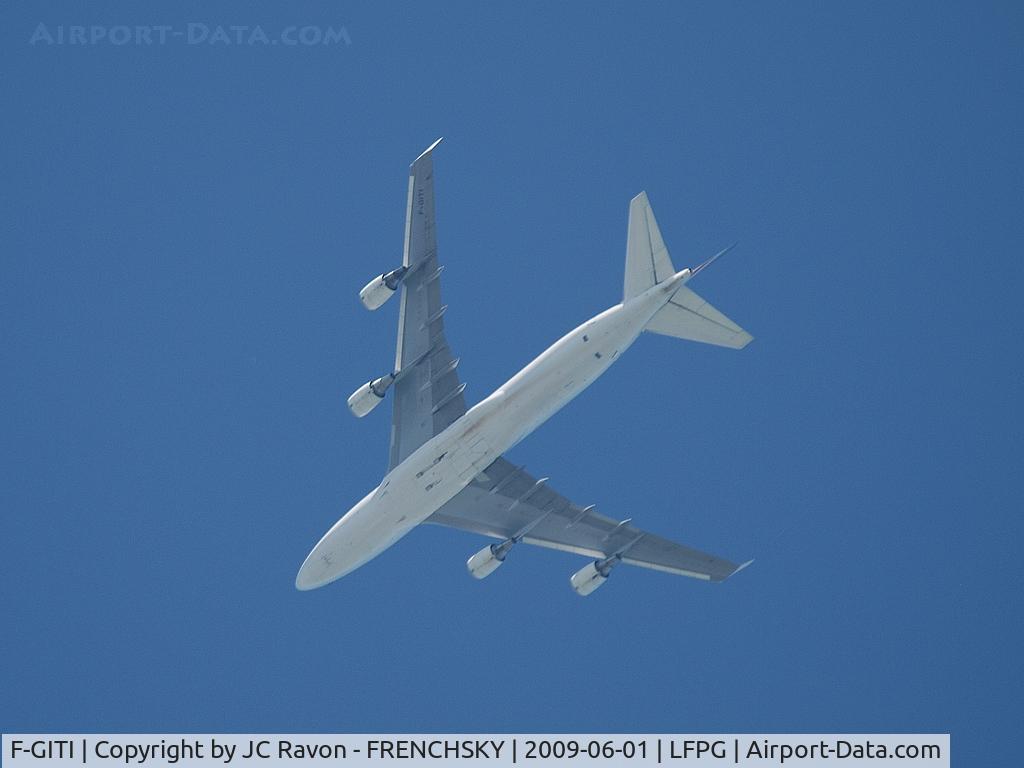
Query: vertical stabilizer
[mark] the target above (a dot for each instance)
(647, 259)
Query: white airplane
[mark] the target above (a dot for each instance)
(446, 465)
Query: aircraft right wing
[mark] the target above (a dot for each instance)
(504, 501)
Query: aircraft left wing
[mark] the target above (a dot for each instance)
(506, 502)
(427, 391)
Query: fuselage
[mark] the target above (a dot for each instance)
(448, 462)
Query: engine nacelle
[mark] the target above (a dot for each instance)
(591, 576)
(485, 562)
(369, 396)
(381, 288)
(587, 579)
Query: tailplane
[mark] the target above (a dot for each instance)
(687, 315)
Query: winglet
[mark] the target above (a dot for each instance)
(741, 567)
(428, 150)
(711, 261)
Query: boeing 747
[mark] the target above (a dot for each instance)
(446, 462)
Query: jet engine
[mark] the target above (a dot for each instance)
(593, 575)
(369, 396)
(486, 561)
(381, 288)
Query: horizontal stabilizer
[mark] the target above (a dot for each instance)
(688, 316)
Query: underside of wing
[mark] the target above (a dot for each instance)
(505, 502)
(427, 391)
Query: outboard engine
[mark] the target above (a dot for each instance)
(370, 395)
(382, 288)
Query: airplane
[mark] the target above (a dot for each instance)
(447, 464)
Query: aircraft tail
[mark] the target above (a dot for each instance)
(687, 315)
(647, 259)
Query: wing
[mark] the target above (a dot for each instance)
(427, 393)
(504, 501)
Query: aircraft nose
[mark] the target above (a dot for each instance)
(341, 550)
(315, 571)
(304, 579)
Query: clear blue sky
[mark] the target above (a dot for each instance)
(185, 229)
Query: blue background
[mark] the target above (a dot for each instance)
(185, 229)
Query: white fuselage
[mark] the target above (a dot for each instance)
(447, 463)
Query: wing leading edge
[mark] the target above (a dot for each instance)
(427, 392)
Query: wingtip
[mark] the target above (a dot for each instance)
(741, 567)
(428, 150)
